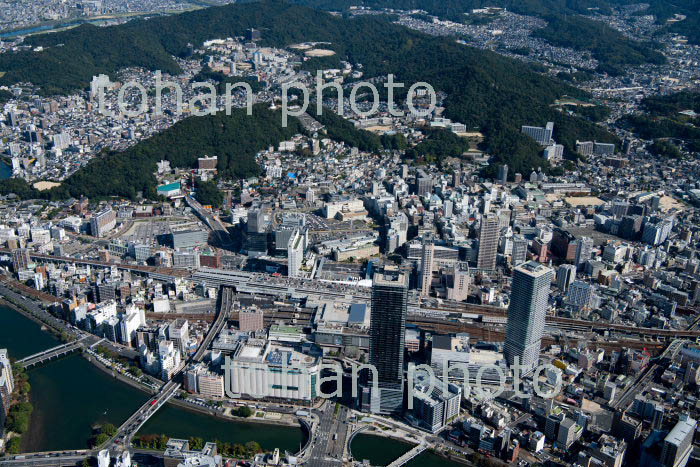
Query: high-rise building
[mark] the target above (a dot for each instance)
(256, 221)
(387, 338)
(426, 274)
(554, 153)
(519, 255)
(503, 174)
(526, 313)
(488, 243)
(566, 274)
(461, 280)
(295, 254)
(580, 294)
(584, 247)
(678, 444)
(424, 184)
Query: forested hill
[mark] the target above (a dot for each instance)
(486, 91)
(234, 139)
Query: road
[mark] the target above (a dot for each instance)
(329, 437)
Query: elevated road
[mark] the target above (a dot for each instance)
(225, 304)
(214, 223)
(645, 377)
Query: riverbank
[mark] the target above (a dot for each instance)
(40, 420)
(17, 307)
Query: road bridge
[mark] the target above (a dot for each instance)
(52, 353)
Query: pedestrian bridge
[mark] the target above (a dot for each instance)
(409, 455)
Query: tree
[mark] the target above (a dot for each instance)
(14, 446)
(253, 448)
(208, 194)
(243, 411)
(196, 443)
(100, 439)
(109, 429)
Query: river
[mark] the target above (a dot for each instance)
(70, 395)
(380, 450)
(5, 170)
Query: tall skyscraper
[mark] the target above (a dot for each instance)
(426, 273)
(526, 313)
(295, 254)
(488, 243)
(387, 338)
(503, 174)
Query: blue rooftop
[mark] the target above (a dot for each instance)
(357, 313)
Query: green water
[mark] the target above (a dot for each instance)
(378, 449)
(382, 451)
(169, 421)
(21, 336)
(70, 395)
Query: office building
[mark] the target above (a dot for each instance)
(580, 294)
(103, 222)
(459, 282)
(179, 333)
(387, 338)
(488, 243)
(168, 359)
(678, 444)
(434, 408)
(566, 274)
(519, 253)
(426, 274)
(526, 313)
